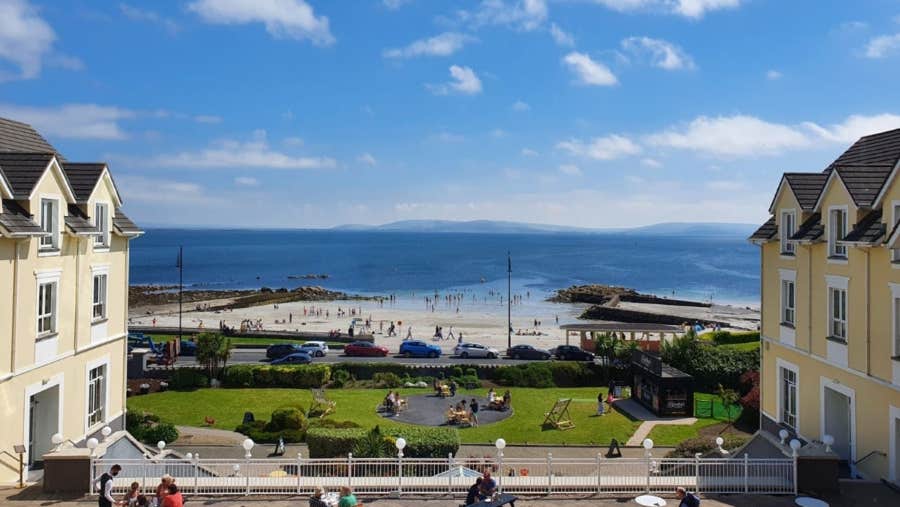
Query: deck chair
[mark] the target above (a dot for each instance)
(558, 417)
(321, 404)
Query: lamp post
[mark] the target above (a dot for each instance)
(648, 447)
(247, 444)
(106, 432)
(500, 444)
(56, 439)
(401, 444)
(508, 300)
(828, 440)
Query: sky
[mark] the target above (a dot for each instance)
(314, 113)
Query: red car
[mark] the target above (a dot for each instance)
(364, 348)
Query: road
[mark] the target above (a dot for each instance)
(243, 356)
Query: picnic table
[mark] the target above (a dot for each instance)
(502, 499)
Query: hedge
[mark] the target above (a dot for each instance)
(727, 338)
(711, 365)
(421, 442)
(295, 376)
(185, 379)
(550, 374)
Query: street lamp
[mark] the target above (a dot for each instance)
(56, 439)
(648, 446)
(795, 446)
(828, 440)
(106, 432)
(783, 435)
(161, 445)
(248, 446)
(500, 444)
(401, 444)
(92, 444)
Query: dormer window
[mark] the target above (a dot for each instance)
(101, 220)
(50, 224)
(788, 228)
(837, 229)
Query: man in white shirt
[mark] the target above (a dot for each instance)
(104, 485)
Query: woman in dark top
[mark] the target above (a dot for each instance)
(474, 491)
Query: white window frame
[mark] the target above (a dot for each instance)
(99, 297)
(783, 366)
(838, 285)
(788, 247)
(836, 250)
(50, 243)
(47, 278)
(103, 408)
(101, 221)
(788, 302)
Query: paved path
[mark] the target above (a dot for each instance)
(637, 411)
(431, 410)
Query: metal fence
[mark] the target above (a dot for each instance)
(453, 476)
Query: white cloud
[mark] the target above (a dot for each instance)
(520, 106)
(73, 121)
(229, 154)
(694, 9)
(588, 71)
(293, 141)
(293, 19)
(570, 169)
(854, 127)
(444, 44)
(246, 181)
(524, 15)
(367, 159)
(882, 46)
(465, 81)
(156, 191)
(601, 148)
(663, 54)
(498, 133)
(773, 75)
(26, 42)
(731, 136)
(395, 4)
(528, 152)
(560, 36)
(207, 118)
(138, 14)
(651, 163)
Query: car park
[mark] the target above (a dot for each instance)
(467, 350)
(417, 348)
(315, 348)
(572, 353)
(364, 348)
(295, 358)
(527, 352)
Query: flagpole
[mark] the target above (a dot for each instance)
(180, 286)
(508, 300)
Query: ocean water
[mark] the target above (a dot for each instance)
(412, 265)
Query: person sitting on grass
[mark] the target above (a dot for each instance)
(347, 497)
(474, 492)
(686, 499)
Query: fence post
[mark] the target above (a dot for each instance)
(599, 458)
(549, 473)
(697, 472)
(247, 472)
(93, 474)
(647, 455)
(349, 469)
(746, 473)
(795, 474)
(450, 473)
(143, 476)
(196, 472)
(500, 471)
(400, 473)
(299, 475)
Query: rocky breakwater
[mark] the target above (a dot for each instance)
(611, 295)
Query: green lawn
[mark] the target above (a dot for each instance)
(670, 435)
(741, 346)
(227, 407)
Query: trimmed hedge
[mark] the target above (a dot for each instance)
(711, 365)
(186, 379)
(302, 376)
(550, 374)
(727, 338)
(421, 442)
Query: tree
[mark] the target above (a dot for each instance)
(374, 445)
(729, 399)
(213, 351)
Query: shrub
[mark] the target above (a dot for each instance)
(387, 380)
(728, 338)
(340, 378)
(186, 379)
(421, 442)
(160, 431)
(690, 447)
(287, 418)
(710, 365)
(259, 433)
(294, 376)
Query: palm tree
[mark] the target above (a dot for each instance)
(213, 350)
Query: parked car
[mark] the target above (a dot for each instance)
(572, 353)
(419, 349)
(527, 352)
(466, 350)
(364, 348)
(280, 350)
(188, 348)
(295, 358)
(315, 348)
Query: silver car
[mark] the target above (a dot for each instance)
(466, 350)
(315, 348)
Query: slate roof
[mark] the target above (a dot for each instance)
(806, 187)
(863, 181)
(868, 230)
(83, 177)
(124, 224)
(16, 136)
(810, 230)
(23, 170)
(16, 220)
(882, 148)
(78, 221)
(766, 231)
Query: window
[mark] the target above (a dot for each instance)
(97, 395)
(896, 327)
(789, 397)
(49, 224)
(101, 219)
(787, 302)
(837, 313)
(46, 311)
(837, 228)
(788, 228)
(99, 305)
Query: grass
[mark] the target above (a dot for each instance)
(262, 342)
(668, 435)
(227, 407)
(741, 346)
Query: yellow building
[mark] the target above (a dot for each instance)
(64, 246)
(830, 268)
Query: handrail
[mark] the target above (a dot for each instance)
(867, 456)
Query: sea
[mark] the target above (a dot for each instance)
(410, 265)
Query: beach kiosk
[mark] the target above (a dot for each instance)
(661, 388)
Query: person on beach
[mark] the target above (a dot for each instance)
(450, 334)
(409, 335)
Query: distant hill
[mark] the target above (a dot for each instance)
(502, 227)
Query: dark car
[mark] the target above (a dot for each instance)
(364, 348)
(572, 353)
(527, 352)
(295, 358)
(280, 350)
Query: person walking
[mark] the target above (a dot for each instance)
(473, 408)
(600, 403)
(105, 484)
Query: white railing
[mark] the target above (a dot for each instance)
(453, 476)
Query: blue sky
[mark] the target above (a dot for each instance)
(597, 113)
